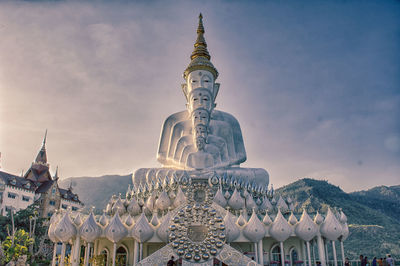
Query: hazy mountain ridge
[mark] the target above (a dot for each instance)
(373, 215)
(96, 191)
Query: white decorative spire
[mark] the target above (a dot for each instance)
(345, 232)
(133, 207)
(90, 230)
(78, 220)
(343, 217)
(118, 207)
(250, 203)
(162, 230)
(266, 205)
(180, 198)
(103, 220)
(231, 230)
(281, 204)
(267, 220)
(306, 229)
(331, 228)
(142, 230)
(241, 221)
(280, 229)
(129, 221)
(65, 229)
(318, 219)
(154, 220)
(219, 198)
(292, 219)
(254, 229)
(236, 201)
(53, 223)
(163, 201)
(116, 230)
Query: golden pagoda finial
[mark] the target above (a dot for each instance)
(200, 28)
(200, 46)
(200, 58)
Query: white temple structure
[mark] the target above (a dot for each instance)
(201, 207)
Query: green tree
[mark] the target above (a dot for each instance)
(16, 246)
(29, 221)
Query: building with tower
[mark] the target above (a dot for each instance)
(201, 206)
(36, 185)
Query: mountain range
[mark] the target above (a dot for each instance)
(373, 215)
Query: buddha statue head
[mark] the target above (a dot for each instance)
(201, 73)
(201, 130)
(200, 135)
(200, 116)
(200, 98)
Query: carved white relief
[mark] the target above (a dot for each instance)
(90, 230)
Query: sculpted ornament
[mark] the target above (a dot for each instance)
(65, 230)
(306, 229)
(90, 230)
(331, 227)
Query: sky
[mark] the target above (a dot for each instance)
(315, 85)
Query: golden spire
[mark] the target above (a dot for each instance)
(200, 58)
(200, 46)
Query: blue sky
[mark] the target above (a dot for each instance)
(315, 85)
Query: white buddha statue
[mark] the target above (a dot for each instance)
(200, 140)
(200, 91)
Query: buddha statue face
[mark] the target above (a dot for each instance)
(200, 143)
(200, 117)
(201, 130)
(200, 98)
(201, 79)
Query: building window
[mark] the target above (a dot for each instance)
(53, 191)
(25, 198)
(52, 202)
(64, 206)
(276, 254)
(74, 208)
(8, 209)
(293, 256)
(49, 214)
(121, 256)
(11, 195)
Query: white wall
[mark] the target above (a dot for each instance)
(17, 203)
(65, 204)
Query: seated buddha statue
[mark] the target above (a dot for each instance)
(200, 140)
(200, 91)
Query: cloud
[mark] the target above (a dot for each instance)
(314, 85)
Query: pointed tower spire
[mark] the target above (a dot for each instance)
(200, 58)
(44, 140)
(42, 156)
(200, 46)
(56, 174)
